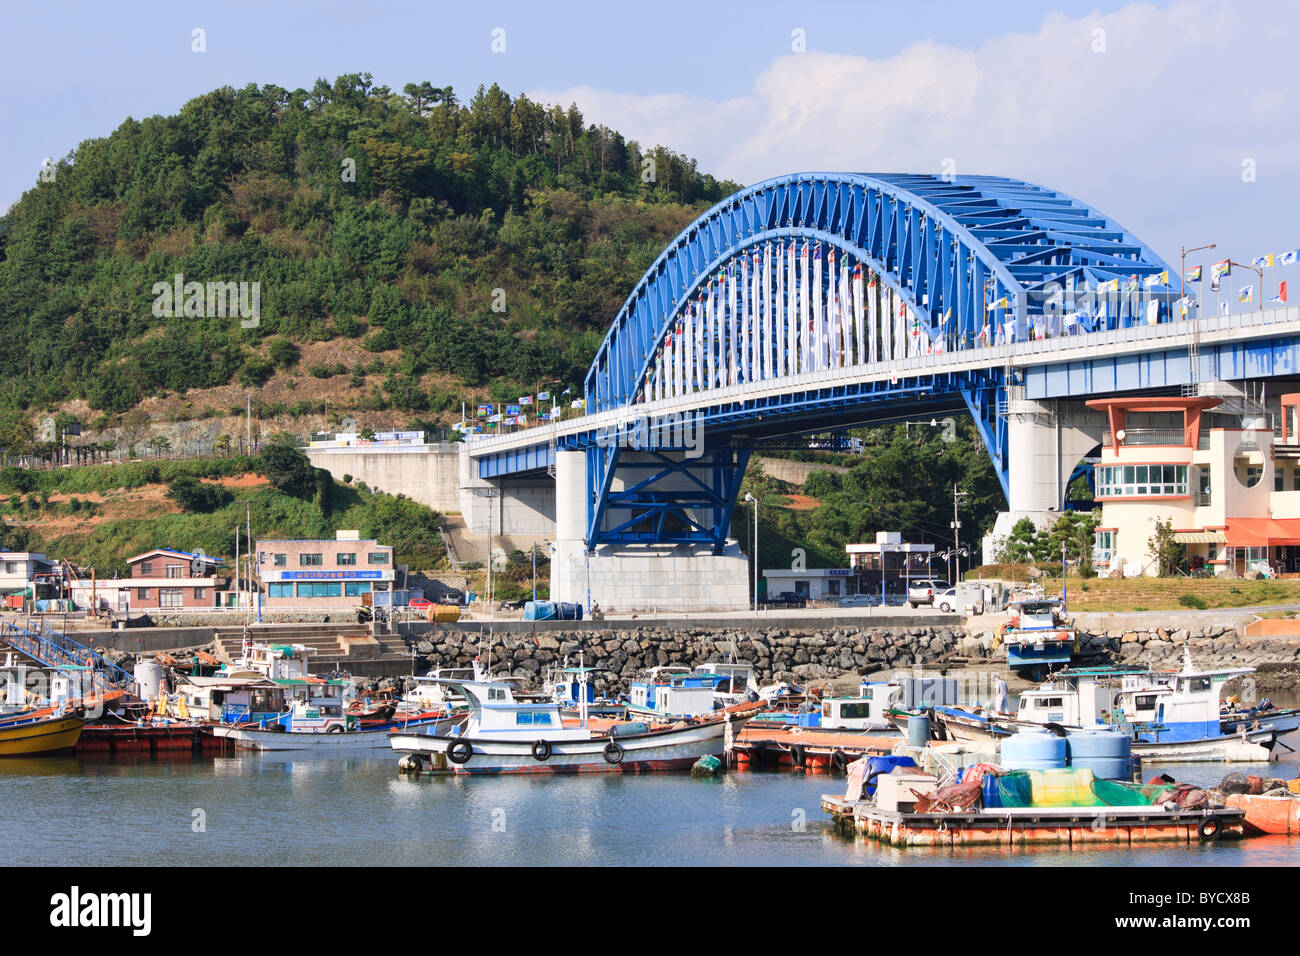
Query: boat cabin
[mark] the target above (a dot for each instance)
(675, 692)
(495, 711)
(230, 700)
(1078, 699)
(734, 681)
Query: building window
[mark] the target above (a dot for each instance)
(833, 588)
(321, 590)
(1119, 481)
(11, 567)
(1103, 548)
(279, 560)
(143, 593)
(355, 589)
(170, 597)
(200, 593)
(378, 557)
(146, 569)
(346, 557)
(279, 590)
(174, 570)
(310, 560)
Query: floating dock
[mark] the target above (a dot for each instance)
(1063, 826)
(809, 748)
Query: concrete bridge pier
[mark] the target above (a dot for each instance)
(522, 509)
(1045, 440)
(636, 576)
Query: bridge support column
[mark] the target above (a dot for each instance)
(522, 509)
(636, 576)
(1045, 440)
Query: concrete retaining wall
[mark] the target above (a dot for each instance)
(795, 472)
(429, 474)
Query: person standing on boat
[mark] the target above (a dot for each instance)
(999, 694)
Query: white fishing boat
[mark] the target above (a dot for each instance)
(1172, 716)
(504, 734)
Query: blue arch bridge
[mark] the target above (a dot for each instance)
(815, 302)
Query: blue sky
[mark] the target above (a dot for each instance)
(1178, 118)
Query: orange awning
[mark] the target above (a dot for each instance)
(1262, 532)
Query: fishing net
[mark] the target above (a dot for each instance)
(1011, 790)
(1116, 793)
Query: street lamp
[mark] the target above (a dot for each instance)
(753, 507)
(1182, 276)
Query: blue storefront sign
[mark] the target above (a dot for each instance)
(331, 575)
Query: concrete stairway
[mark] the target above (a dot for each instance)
(351, 648)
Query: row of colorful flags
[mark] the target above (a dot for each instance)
(513, 413)
(1223, 268)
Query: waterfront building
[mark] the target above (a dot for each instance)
(19, 573)
(311, 573)
(892, 558)
(902, 561)
(1227, 484)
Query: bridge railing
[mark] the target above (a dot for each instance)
(1008, 353)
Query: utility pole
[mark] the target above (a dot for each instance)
(248, 526)
(248, 421)
(753, 506)
(956, 533)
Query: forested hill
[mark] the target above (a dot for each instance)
(382, 222)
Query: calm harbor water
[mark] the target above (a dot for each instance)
(301, 810)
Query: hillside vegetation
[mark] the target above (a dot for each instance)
(445, 249)
(101, 515)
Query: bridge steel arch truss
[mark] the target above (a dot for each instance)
(968, 258)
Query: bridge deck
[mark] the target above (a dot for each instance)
(1208, 332)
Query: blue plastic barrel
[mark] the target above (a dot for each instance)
(918, 730)
(1106, 753)
(1034, 750)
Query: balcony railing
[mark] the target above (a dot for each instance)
(1153, 436)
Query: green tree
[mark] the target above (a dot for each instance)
(288, 469)
(1168, 553)
(199, 496)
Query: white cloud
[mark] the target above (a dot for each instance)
(1153, 130)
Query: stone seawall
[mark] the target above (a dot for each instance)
(798, 653)
(817, 654)
(777, 654)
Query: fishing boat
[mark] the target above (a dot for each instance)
(572, 687)
(503, 734)
(1171, 715)
(1038, 635)
(39, 732)
(1279, 815)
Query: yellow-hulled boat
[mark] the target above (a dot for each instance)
(44, 733)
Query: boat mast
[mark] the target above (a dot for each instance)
(582, 691)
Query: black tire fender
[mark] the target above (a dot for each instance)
(460, 751)
(797, 754)
(840, 760)
(613, 752)
(1210, 829)
(541, 750)
(335, 729)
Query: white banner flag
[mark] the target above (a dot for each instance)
(858, 323)
(805, 365)
(791, 320)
